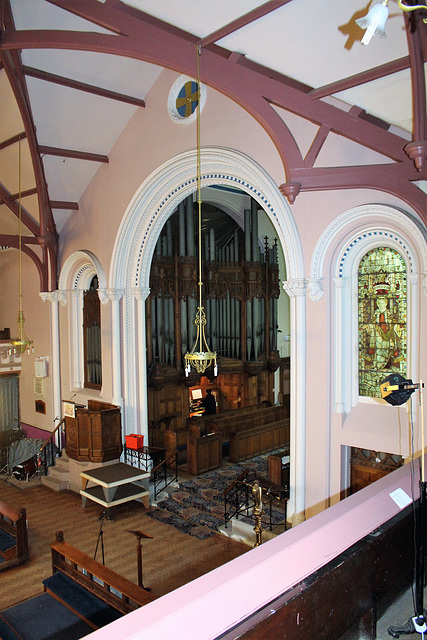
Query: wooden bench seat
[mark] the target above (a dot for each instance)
(239, 419)
(6, 631)
(78, 599)
(7, 546)
(249, 443)
(13, 536)
(92, 591)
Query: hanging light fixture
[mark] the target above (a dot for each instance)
(200, 357)
(20, 343)
(375, 19)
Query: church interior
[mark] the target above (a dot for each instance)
(213, 289)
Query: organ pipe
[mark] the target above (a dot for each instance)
(241, 287)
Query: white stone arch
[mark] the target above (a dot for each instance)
(78, 271)
(345, 242)
(153, 203)
(76, 275)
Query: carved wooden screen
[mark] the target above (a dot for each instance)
(382, 318)
(240, 290)
(92, 336)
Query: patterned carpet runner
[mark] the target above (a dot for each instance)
(197, 506)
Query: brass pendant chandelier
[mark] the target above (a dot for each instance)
(21, 342)
(200, 357)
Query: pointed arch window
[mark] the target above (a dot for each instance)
(92, 337)
(382, 320)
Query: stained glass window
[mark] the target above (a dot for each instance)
(187, 99)
(382, 318)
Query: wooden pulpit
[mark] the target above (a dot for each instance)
(94, 435)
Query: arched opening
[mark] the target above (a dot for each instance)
(153, 204)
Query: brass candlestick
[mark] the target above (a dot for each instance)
(257, 494)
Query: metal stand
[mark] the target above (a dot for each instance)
(418, 623)
(139, 535)
(100, 538)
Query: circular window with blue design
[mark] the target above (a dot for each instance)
(184, 99)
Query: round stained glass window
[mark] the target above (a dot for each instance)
(184, 98)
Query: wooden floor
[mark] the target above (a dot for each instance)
(170, 559)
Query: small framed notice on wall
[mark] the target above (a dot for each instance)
(39, 388)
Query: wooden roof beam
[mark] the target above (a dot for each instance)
(26, 219)
(361, 78)
(62, 204)
(243, 21)
(82, 86)
(70, 153)
(13, 140)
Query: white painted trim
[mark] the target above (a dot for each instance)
(75, 277)
(151, 206)
(356, 232)
(370, 217)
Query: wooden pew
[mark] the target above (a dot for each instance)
(204, 453)
(239, 419)
(248, 443)
(90, 590)
(13, 537)
(278, 470)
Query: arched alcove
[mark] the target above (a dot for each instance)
(76, 275)
(154, 202)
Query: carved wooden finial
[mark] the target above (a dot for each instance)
(290, 190)
(417, 151)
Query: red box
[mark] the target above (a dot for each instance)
(134, 441)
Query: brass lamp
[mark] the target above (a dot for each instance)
(21, 342)
(200, 357)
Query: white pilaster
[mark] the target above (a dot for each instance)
(76, 323)
(297, 289)
(339, 341)
(115, 295)
(140, 296)
(54, 297)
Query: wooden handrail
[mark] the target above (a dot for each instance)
(233, 484)
(51, 435)
(10, 512)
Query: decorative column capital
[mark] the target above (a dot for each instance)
(115, 295)
(314, 288)
(54, 296)
(340, 282)
(103, 295)
(141, 293)
(296, 288)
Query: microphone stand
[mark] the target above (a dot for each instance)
(100, 537)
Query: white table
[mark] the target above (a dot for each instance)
(115, 484)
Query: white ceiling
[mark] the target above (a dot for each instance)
(310, 41)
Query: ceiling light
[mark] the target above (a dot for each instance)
(374, 22)
(200, 357)
(20, 343)
(375, 19)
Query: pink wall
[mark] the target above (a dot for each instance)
(34, 432)
(208, 606)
